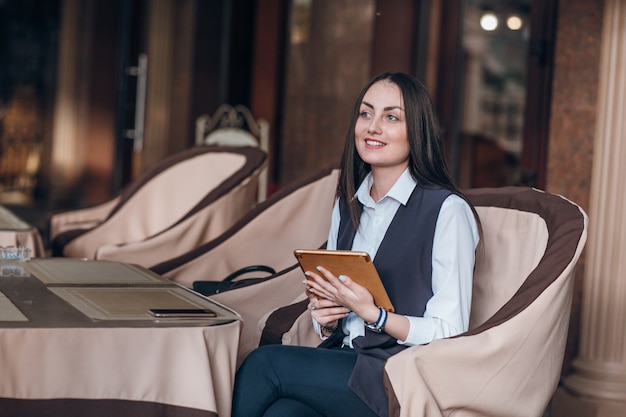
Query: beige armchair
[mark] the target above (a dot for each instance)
(184, 201)
(509, 362)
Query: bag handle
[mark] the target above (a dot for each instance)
(229, 283)
(247, 269)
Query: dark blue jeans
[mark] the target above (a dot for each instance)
(294, 381)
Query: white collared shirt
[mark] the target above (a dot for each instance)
(454, 245)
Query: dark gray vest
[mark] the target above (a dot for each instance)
(404, 263)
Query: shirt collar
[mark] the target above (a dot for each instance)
(401, 190)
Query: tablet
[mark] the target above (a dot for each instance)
(357, 265)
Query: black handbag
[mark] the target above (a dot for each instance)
(229, 283)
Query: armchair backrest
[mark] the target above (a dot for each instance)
(530, 238)
(296, 216)
(505, 258)
(173, 191)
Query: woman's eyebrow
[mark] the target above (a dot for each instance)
(365, 103)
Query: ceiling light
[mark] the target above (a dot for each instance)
(489, 21)
(514, 22)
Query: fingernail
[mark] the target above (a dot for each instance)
(307, 273)
(342, 278)
(304, 282)
(319, 268)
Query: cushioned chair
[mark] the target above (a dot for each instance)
(182, 202)
(298, 216)
(235, 126)
(509, 362)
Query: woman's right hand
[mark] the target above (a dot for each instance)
(326, 313)
(342, 291)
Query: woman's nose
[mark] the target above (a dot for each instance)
(374, 126)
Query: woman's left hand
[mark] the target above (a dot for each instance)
(343, 291)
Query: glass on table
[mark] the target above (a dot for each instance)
(15, 253)
(11, 258)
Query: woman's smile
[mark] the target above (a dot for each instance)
(374, 143)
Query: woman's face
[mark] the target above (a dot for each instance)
(380, 130)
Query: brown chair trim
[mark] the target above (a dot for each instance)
(565, 223)
(280, 321)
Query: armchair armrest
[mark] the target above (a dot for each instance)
(85, 218)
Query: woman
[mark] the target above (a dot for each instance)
(396, 201)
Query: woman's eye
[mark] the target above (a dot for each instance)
(392, 118)
(364, 114)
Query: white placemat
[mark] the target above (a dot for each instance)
(84, 272)
(8, 310)
(134, 303)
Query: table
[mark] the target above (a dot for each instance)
(15, 232)
(77, 339)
